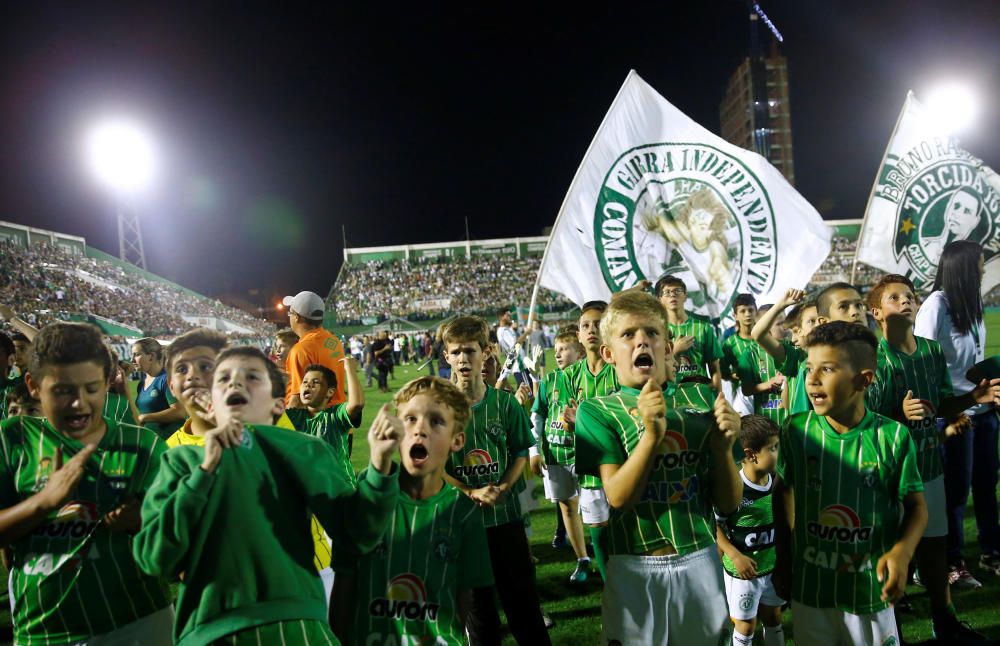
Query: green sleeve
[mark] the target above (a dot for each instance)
(596, 444)
(153, 462)
(712, 348)
(746, 368)
(906, 456)
(474, 571)
(341, 420)
(793, 357)
(8, 491)
(784, 468)
(519, 437)
(877, 397)
(171, 513)
(541, 405)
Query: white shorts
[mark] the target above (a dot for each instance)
(744, 595)
(560, 482)
(832, 627)
(665, 600)
(937, 510)
(594, 506)
(156, 629)
(733, 393)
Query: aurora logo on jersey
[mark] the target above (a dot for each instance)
(676, 453)
(839, 523)
(405, 598)
(75, 519)
(477, 462)
(672, 492)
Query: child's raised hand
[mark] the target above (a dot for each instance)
(791, 297)
(653, 409)
(383, 439)
(219, 438)
(350, 363)
(727, 423)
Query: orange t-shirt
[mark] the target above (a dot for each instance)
(318, 346)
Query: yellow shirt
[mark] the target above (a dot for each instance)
(321, 544)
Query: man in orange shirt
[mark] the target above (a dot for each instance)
(316, 345)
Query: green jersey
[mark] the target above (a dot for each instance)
(675, 508)
(408, 587)
(497, 433)
(557, 439)
(848, 489)
(734, 348)
(117, 408)
(706, 348)
(795, 364)
(586, 385)
(756, 367)
(332, 425)
(751, 527)
(925, 372)
(71, 577)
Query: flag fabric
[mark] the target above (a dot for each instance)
(927, 193)
(657, 193)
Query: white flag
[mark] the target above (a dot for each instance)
(927, 193)
(657, 193)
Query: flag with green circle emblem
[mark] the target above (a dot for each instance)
(928, 192)
(657, 193)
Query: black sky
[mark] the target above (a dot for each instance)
(282, 122)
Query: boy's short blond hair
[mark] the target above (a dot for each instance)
(287, 336)
(635, 302)
(466, 328)
(570, 336)
(442, 391)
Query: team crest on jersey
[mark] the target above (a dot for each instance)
(941, 194)
(813, 481)
(405, 598)
(839, 523)
(154, 393)
(493, 429)
(869, 474)
(442, 546)
(691, 210)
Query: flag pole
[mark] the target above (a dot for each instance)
(871, 195)
(569, 191)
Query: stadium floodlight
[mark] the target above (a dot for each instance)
(952, 106)
(121, 155)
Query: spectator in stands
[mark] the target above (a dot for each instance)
(382, 355)
(315, 346)
(159, 411)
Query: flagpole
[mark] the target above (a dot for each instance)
(569, 191)
(871, 195)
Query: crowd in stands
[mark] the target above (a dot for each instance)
(382, 289)
(44, 283)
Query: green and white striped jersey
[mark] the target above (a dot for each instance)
(705, 350)
(116, 407)
(407, 588)
(587, 385)
(72, 578)
(675, 508)
(756, 367)
(925, 372)
(332, 425)
(847, 490)
(497, 432)
(733, 350)
(794, 369)
(558, 439)
(751, 527)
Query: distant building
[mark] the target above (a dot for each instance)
(736, 114)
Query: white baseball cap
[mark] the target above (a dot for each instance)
(306, 304)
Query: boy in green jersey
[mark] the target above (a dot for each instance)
(758, 374)
(849, 480)
(234, 515)
(913, 386)
(334, 424)
(416, 587)
(747, 385)
(488, 470)
(664, 457)
(70, 485)
(554, 463)
(696, 344)
(746, 538)
(592, 377)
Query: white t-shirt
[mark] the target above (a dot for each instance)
(396, 345)
(961, 351)
(506, 337)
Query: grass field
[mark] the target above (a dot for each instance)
(577, 611)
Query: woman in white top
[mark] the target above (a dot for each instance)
(953, 316)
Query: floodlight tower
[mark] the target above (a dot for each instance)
(122, 157)
(758, 78)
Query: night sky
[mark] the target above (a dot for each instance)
(281, 123)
